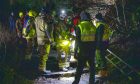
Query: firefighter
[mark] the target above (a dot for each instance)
(44, 39)
(61, 33)
(29, 33)
(86, 40)
(19, 24)
(103, 33)
(21, 42)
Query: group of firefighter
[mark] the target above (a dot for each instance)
(43, 30)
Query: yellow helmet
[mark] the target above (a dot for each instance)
(20, 14)
(32, 13)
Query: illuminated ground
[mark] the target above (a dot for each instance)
(62, 80)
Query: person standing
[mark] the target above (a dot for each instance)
(86, 40)
(21, 42)
(29, 33)
(44, 40)
(62, 33)
(12, 23)
(19, 24)
(103, 33)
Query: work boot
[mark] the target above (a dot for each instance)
(47, 71)
(103, 73)
(65, 69)
(44, 71)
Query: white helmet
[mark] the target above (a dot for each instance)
(62, 16)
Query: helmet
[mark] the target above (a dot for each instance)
(42, 12)
(20, 14)
(62, 16)
(32, 13)
(84, 15)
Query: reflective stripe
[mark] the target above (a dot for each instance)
(88, 37)
(64, 64)
(41, 41)
(24, 31)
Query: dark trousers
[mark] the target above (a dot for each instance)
(102, 48)
(87, 53)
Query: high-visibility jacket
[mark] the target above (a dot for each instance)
(107, 30)
(87, 30)
(29, 31)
